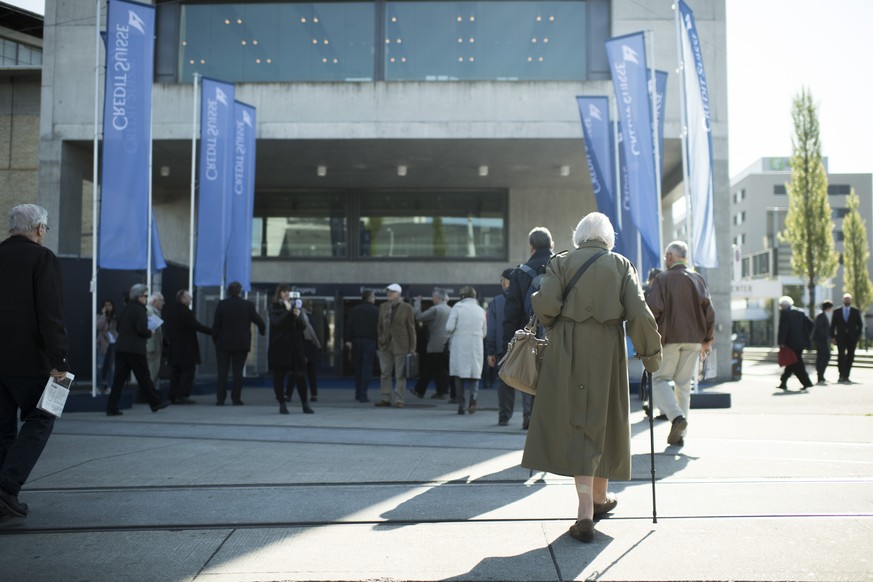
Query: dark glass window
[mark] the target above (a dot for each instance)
(330, 41)
(432, 224)
(779, 189)
(839, 189)
(300, 225)
(495, 40)
(402, 225)
(417, 41)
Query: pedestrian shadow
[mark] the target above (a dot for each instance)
(563, 559)
(465, 498)
(779, 392)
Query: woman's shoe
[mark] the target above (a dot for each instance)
(583, 530)
(472, 408)
(313, 398)
(601, 509)
(282, 408)
(307, 409)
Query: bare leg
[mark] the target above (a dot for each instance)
(584, 489)
(600, 487)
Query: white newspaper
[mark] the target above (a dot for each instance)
(54, 396)
(155, 322)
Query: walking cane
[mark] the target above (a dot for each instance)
(648, 406)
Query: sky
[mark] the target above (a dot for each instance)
(774, 49)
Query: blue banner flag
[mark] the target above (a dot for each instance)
(628, 241)
(627, 63)
(698, 144)
(239, 250)
(596, 131)
(127, 120)
(215, 178)
(158, 262)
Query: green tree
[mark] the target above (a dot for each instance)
(856, 278)
(808, 225)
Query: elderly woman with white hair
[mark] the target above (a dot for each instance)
(580, 423)
(795, 333)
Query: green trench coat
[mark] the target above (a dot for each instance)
(580, 421)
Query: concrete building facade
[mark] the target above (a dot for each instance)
(486, 154)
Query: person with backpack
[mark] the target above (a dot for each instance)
(517, 310)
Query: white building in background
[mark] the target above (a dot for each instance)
(762, 266)
(398, 141)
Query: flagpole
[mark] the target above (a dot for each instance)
(683, 117)
(94, 217)
(613, 110)
(656, 145)
(193, 186)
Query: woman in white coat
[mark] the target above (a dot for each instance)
(468, 328)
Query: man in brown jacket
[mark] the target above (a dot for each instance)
(679, 300)
(396, 332)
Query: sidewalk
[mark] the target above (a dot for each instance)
(778, 487)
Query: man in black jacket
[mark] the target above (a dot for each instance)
(130, 352)
(514, 315)
(361, 335)
(795, 328)
(181, 332)
(34, 347)
(846, 326)
(232, 332)
(821, 337)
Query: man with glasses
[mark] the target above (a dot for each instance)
(34, 347)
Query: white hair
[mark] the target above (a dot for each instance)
(678, 248)
(594, 226)
(786, 300)
(26, 218)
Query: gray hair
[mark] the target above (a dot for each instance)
(594, 226)
(540, 238)
(157, 295)
(678, 248)
(25, 218)
(786, 300)
(439, 292)
(137, 291)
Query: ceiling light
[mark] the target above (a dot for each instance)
(483, 171)
(401, 170)
(321, 171)
(565, 171)
(165, 171)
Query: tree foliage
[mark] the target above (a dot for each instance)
(856, 278)
(808, 225)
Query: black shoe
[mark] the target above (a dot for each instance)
(661, 417)
(9, 505)
(419, 393)
(219, 403)
(804, 387)
(502, 422)
(676, 430)
(461, 411)
(238, 402)
(472, 407)
(307, 409)
(782, 387)
(161, 406)
(185, 401)
(283, 409)
(438, 396)
(313, 398)
(114, 413)
(525, 424)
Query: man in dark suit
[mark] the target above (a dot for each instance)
(181, 331)
(232, 332)
(34, 347)
(795, 328)
(821, 337)
(846, 326)
(130, 352)
(361, 336)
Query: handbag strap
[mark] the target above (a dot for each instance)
(580, 272)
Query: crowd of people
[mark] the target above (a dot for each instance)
(577, 426)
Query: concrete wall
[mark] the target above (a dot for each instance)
(19, 141)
